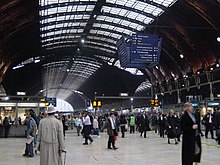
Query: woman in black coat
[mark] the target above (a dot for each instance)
(171, 127)
(191, 142)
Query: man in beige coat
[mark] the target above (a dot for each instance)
(50, 137)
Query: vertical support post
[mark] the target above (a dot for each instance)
(209, 79)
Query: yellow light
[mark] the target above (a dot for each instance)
(99, 103)
(94, 103)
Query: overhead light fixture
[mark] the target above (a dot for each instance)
(218, 39)
(82, 41)
(36, 61)
(217, 65)
(18, 66)
(181, 56)
(78, 49)
(198, 72)
(21, 93)
(157, 67)
(67, 70)
(211, 68)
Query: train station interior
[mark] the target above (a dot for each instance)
(121, 56)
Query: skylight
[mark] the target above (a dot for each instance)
(106, 21)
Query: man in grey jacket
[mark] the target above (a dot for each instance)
(51, 139)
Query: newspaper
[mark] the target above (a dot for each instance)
(29, 139)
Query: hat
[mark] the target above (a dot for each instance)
(51, 109)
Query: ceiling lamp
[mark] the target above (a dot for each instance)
(218, 39)
(181, 56)
(82, 41)
(217, 65)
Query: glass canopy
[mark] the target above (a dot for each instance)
(65, 22)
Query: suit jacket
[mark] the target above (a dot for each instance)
(108, 125)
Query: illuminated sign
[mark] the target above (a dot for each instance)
(96, 103)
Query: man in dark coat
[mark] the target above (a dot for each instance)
(191, 142)
(144, 124)
(162, 124)
(217, 125)
(209, 124)
(112, 130)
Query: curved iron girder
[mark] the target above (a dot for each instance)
(130, 9)
(64, 40)
(66, 14)
(95, 40)
(124, 18)
(66, 4)
(115, 24)
(63, 22)
(97, 51)
(195, 40)
(78, 39)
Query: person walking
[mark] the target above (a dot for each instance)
(144, 124)
(191, 141)
(112, 131)
(51, 139)
(87, 127)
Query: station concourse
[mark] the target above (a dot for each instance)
(132, 150)
(102, 56)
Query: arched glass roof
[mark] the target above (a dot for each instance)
(99, 22)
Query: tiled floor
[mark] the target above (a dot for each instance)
(133, 150)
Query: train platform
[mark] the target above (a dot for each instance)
(132, 150)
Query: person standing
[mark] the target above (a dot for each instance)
(112, 130)
(178, 126)
(78, 124)
(50, 137)
(171, 127)
(6, 125)
(31, 134)
(132, 123)
(162, 124)
(96, 126)
(217, 125)
(191, 141)
(87, 127)
(123, 123)
(209, 124)
(144, 124)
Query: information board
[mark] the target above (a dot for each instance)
(139, 51)
(145, 48)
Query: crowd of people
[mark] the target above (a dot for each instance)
(49, 133)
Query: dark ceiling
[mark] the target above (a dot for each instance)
(188, 27)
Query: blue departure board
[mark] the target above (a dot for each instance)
(145, 48)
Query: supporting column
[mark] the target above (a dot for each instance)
(209, 79)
